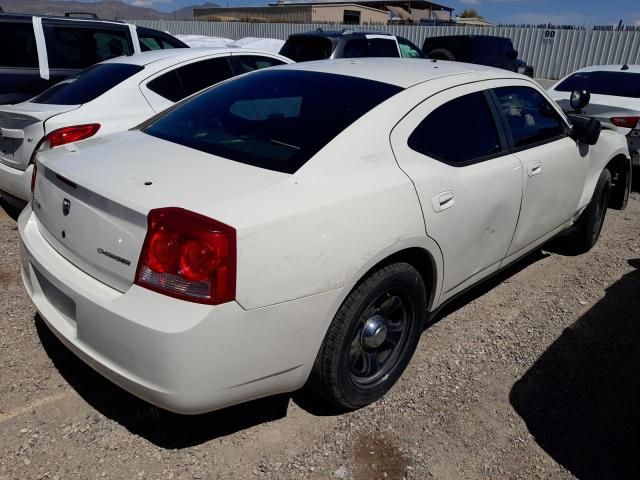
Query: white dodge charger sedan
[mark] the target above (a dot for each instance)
(109, 97)
(302, 223)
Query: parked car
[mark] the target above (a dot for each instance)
(302, 223)
(45, 50)
(480, 49)
(108, 97)
(615, 98)
(324, 44)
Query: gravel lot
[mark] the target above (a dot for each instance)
(533, 375)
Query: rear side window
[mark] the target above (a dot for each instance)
(371, 47)
(18, 45)
(304, 49)
(619, 84)
(438, 135)
(79, 47)
(249, 63)
(531, 118)
(191, 78)
(87, 85)
(272, 119)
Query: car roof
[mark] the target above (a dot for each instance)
(339, 33)
(612, 68)
(176, 54)
(402, 72)
(23, 17)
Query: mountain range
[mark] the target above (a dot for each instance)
(107, 9)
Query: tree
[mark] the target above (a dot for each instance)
(470, 13)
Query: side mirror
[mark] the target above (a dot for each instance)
(585, 130)
(579, 99)
(512, 55)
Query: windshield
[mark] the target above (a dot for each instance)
(275, 119)
(618, 84)
(87, 85)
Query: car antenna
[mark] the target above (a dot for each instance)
(625, 67)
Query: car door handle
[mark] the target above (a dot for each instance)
(443, 200)
(534, 168)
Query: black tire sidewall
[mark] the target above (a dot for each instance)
(396, 277)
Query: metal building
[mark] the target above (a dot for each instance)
(353, 12)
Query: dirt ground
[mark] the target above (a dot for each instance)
(533, 375)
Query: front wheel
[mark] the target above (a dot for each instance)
(372, 337)
(588, 227)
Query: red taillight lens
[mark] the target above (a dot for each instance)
(33, 177)
(625, 122)
(188, 256)
(71, 134)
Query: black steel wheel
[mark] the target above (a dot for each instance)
(372, 337)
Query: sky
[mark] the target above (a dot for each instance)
(575, 12)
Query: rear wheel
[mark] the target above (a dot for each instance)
(372, 337)
(588, 227)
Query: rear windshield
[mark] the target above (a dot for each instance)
(275, 119)
(619, 84)
(304, 49)
(87, 85)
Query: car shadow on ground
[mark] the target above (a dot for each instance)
(581, 399)
(160, 427)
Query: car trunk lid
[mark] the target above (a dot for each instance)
(91, 200)
(22, 127)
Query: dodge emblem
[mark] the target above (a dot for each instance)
(66, 206)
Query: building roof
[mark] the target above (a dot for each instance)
(402, 72)
(415, 3)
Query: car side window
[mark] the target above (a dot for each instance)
(153, 42)
(189, 79)
(199, 75)
(371, 47)
(530, 117)
(249, 63)
(168, 86)
(408, 50)
(459, 132)
(79, 47)
(18, 45)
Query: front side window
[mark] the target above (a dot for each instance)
(88, 84)
(460, 132)
(371, 47)
(531, 118)
(73, 47)
(154, 42)
(18, 45)
(408, 49)
(619, 84)
(272, 119)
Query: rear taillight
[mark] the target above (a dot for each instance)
(33, 177)
(188, 256)
(625, 122)
(76, 133)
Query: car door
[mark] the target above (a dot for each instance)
(180, 81)
(554, 166)
(469, 184)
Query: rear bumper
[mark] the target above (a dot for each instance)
(181, 356)
(16, 183)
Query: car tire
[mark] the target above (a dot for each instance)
(371, 338)
(12, 211)
(587, 229)
(442, 54)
